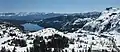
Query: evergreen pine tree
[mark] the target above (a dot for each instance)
(3, 49)
(8, 51)
(73, 50)
(28, 50)
(14, 49)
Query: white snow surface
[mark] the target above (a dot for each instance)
(83, 40)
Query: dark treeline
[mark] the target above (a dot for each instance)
(56, 42)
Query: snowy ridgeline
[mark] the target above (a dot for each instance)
(100, 35)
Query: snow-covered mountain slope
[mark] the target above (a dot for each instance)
(87, 39)
(83, 41)
(7, 34)
(106, 26)
(108, 21)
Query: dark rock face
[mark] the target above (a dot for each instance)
(109, 8)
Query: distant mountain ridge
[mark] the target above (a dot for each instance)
(68, 22)
(27, 15)
(35, 15)
(48, 20)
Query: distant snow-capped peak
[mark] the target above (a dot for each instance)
(110, 14)
(108, 21)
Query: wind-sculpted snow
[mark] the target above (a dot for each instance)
(99, 35)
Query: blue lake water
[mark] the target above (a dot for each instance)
(31, 27)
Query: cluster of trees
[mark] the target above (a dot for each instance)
(57, 43)
(7, 50)
(19, 42)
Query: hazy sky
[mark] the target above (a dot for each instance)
(56, 5)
